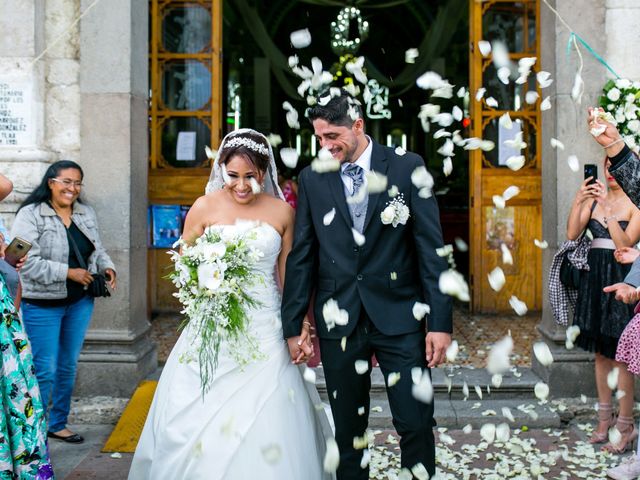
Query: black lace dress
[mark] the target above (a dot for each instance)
(599, 315)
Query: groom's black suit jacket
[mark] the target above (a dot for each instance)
(395, 267)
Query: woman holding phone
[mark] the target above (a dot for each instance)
(614, 222)
(66, 250)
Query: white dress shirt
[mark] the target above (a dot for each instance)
(363, 161)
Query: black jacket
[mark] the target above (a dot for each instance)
(395, 268)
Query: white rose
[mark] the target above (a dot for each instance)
(613, 94)
(388, 215)
(402, 215)
(633, 125)
(623, 83)
(620, 116)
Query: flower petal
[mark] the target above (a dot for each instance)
(328, 217)
(289, 157)
(300, 38)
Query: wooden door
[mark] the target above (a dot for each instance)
(516, 24)
(184, 114)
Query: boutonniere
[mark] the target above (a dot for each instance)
(396, 212)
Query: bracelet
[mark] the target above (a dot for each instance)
(614, 143)
(606, 219)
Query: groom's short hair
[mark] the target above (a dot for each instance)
(338, 110)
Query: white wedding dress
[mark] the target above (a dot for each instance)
(258, 422)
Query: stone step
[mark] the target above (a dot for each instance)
(459, 413)
(517, 384)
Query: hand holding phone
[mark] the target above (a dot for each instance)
(591, 170)
(16, 250)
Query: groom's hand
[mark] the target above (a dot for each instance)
(300, 347)
(437, 344)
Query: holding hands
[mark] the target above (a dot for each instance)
(300, 347)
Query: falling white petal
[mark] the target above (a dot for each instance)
(331, 456)
(393, 378)
(452, 283)
(505, 121)
(430, 81)
(491, 102)
(300, 38)
(376, 182)
(465, 390)
(289, 157)
(503, 74)
(411, 55)
(446, 150)
(457, 113)
(358, 237)
(500, 54)
(572, 332)
(496, 380)
(542, 245)
(541, 390)
(334, 315)
(498, 201)
(416, 375)
(545, 104)
(343, 344)
(328, 217)
(461, 244)
(255, 186)
(573, 163)
(507, 258)
(447, 166)
(420, 310)
(487, 145)
(441, 133)
(516, 162)
(480, 93)
(612, 378)
(309, 375)
(423, 391)
(325, 162)
(274, 139)
(555, 143)
(467, 429)
(211, 154)
(544, 79)
(362, 366)
(497, 279)
(400, 151)
(531, 97)
(499, 356)
(293, 61)
(518, 305)
(452, 351)
(542, 353)
(421, 178)
(484, 47)
(393, 191)
(420, 472)
(510, 192)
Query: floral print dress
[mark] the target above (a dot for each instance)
(23, 429)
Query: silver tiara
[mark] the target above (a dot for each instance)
(247, 142)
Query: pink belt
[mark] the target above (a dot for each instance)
(603, 243)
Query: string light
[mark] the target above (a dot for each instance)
(340, 42)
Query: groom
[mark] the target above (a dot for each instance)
(377, 283)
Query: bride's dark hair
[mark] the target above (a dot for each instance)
(253, 148)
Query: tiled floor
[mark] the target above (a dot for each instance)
(474, 333)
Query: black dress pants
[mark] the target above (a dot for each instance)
(348, 391)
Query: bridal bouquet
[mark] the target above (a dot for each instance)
(621, 98)
(213, 276)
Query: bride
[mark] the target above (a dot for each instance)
(256, 421)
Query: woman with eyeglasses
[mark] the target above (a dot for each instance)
(55, 302)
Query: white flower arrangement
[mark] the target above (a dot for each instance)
(213, 276)
(396, 212)
(621, 98)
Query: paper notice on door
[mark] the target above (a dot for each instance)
(186, 147)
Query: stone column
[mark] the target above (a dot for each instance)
(572, 372)
(22, 27)
(623, 37)
(114, 91)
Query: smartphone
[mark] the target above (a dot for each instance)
(17, 249)
(591, 170)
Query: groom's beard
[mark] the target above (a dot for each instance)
(348, 154)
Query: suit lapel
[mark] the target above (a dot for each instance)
(379, 164)
(337, 190)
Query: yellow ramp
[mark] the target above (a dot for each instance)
(125, 436)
